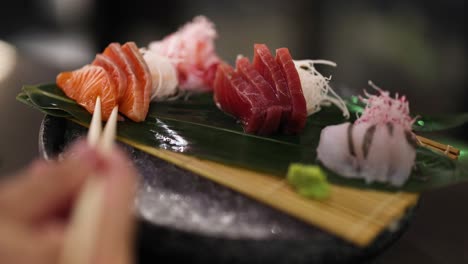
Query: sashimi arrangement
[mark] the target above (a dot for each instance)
(118, 75)
(379, 146)
(271, 95)
(192, 51)
(130, 77)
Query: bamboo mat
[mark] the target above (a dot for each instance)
(355, 215)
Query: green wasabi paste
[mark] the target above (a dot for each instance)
(309, 181)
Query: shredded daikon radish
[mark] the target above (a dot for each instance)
(317, 92)
(163, 74)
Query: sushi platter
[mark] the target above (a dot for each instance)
(267, 143)
(219, 224)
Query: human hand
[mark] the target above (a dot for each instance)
(35, 205)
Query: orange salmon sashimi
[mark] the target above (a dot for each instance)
(86, 84)
(142, 72)
(117, 74)
(134, 102)
(126, 105)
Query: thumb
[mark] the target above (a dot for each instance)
(117, 223)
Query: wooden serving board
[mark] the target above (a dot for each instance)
(356, 215)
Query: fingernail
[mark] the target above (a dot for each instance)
(120, 173)
(116, 161)
(84, 153)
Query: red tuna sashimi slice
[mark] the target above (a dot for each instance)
(253, 115)
(251, 75)
(237, 97)
(117, 74)
(266, 65)
(274, 110)
(273, 116)
(143, 75)
(86, 84)
(223, 92)
(221, 86)
(298, 115)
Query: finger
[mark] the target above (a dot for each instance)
(20, 244)
(117, 223)
(46, 187)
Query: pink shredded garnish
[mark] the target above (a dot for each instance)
(382, 108)
(192, 51)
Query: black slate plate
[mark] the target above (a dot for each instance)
(184, 217)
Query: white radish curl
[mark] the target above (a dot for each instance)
(317, 92)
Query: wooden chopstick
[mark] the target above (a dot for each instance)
(109, 132)
(95, 128)
(81, 234)
(445, 148)
(449, 151)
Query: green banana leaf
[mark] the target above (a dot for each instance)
(195, 126)
(439, 122)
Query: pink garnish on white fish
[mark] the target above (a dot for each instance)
(382, 108)
(192, 50)
(378, 147)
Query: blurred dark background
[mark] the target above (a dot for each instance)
(416, 48)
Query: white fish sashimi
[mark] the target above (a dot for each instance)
(403, 156)
(367, 151)
(375, 163)
(378, 147)
(333, 150)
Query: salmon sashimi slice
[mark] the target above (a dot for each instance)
(117, 74)
(144, 78)
(133, 93)
(264, 62)
(120, 70)
(274, 109)
(298, 116)
(238, 98)
(86, 84)
(132, 103)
